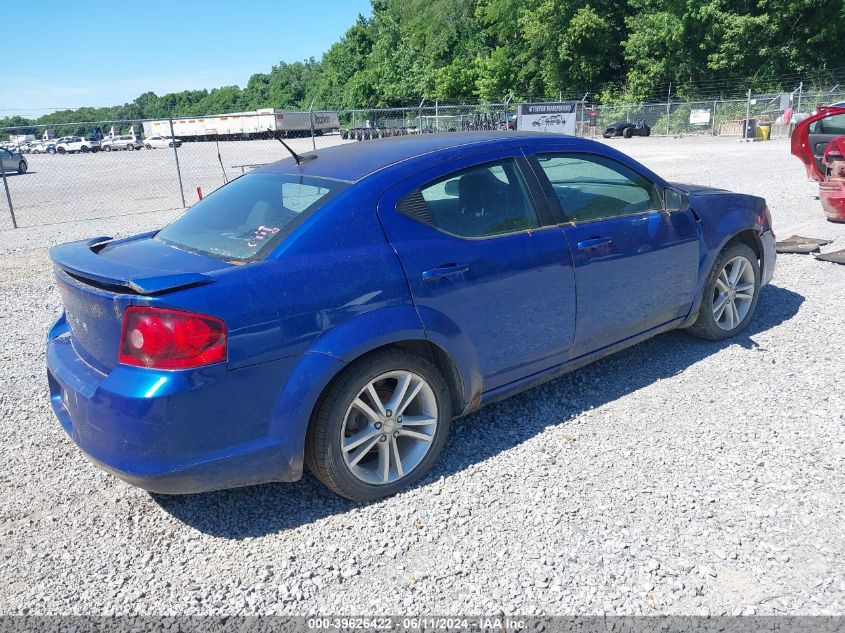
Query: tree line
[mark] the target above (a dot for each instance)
(484, 50)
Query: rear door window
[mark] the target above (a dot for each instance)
(482, 201)
(246, 219)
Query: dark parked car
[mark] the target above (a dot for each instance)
(338, 311)
(627, 129)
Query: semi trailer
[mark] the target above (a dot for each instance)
(245, 125)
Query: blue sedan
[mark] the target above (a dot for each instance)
(340, 310)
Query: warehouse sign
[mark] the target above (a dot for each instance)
(699, 117)
(547, 117)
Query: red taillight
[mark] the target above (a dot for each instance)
(170, 339)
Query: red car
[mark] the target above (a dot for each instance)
(819, 142)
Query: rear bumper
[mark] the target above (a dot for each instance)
(173, 432)
(832, 196)
(767, 240)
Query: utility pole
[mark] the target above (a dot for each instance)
(800, 90)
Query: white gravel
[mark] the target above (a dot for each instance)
(679, 476)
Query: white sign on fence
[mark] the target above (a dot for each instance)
(699, 117)
(547, 117)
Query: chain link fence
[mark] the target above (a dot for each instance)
(108, 168)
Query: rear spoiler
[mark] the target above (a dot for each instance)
(81, 260)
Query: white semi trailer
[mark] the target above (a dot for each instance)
(244, 125)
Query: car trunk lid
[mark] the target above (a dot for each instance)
(99, 278)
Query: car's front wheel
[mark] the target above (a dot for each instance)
(731, 293)
(380, 425)
(22, 166)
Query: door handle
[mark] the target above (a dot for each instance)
(594, 242)
(446, 271)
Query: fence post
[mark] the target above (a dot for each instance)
(583, 106)
(8, 195)
(176, 154)
(800, 90)
(311, 121)
(713, 120)
(747, 117)
(506, 109)
(419, 116)
(668, 105)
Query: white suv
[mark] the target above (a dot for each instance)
(77, 144)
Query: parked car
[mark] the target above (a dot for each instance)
(818, 142)
(627, 129)
(13, 161)
(73, 144)
(161, 141)
(340, 309)
(125, 141)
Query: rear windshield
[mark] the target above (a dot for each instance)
(246, 219)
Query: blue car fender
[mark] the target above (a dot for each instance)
(722, 217)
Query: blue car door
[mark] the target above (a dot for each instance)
(636, 265)
(483, 266)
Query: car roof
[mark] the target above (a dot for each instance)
(354, 161)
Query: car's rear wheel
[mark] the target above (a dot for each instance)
(379, 426)
(107, 148)
(85, 149)
(22, 167)
(627, 132)
(731, 293)
(130, 147)
(148, 146)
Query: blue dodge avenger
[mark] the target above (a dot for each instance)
(339, 310)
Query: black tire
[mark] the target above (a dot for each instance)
(607, 134)
(705, 325)
(148, 146)
(323, 454)
(647, 131)
(85, 149)
(22, 167)
(51, 150)
(627, 132)
(60, 150)
(130, 147)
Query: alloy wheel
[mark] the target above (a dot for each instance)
(389, 427)
(733, 293)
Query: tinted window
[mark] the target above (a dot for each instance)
(481, 201)
(247, 218)
(593, 187)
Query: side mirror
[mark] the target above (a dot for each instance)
(674, 200)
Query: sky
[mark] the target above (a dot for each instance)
(104, 53)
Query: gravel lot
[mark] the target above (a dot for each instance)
(679, 476)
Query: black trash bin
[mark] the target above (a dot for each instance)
(749, 128)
